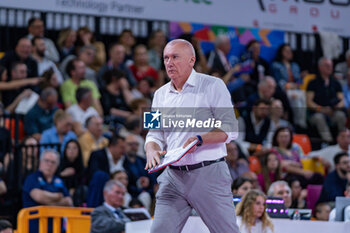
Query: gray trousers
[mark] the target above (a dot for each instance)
(206, 189)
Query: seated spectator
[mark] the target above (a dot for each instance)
(122, 176)
(93, 138)
(128, 40)
(276, 115)
(325, 101)
(251, 213)
(141, 67)
(116, 95)
(21, 54)
(133, 127)
(335, 183)
(12, 96)
(343, 68)
(116, 54)
(156, 44)
(289, 154)
(217, 59)
(241, 186)
(322, 211)
(236, 163)
(109, 217)
(109, 159)
(82, 110)
(76, 70)
(135, 203)
(85, 37)
(144, 89)
(30, 156)
(50, 80)
(40, 117)
(39, 49)
(281, 189)
(266, 91)
(87, 55)
(254, 129)
(5, 226)
(298, 194)
(44, 188)
(326, 155)
(138, 105)
(61, 132)
(270, 171)
(140, 182)
(36, 28)
(346, 91)
(332, 214)
(72, 168)
(66, 40)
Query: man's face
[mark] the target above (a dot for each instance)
(261, 111)
(115, 196)
(96, 126)
(178, 61)
(87, 99)
(88, 56)
(65, 125)
(51, 101)
(283, 192)
(24, 48)
(79, 71)
(225, 46)
(20, 72)
(326, 67)
(268, 90)
(323, 214)
(344, 165)
(132, 145)
(141, 56)
(40, 47)
(48, 164)
(118, 150)
(117, 54)
(343, 139)
(232, 152)
(37, 28)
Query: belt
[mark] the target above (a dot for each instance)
(197, 165)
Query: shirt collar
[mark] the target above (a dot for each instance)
(191, 81)
(111, 208)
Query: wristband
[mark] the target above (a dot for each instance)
(200, 140)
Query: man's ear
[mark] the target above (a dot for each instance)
(192, 60)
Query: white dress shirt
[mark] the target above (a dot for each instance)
(199, 91)
(79, 115)
(113, 167)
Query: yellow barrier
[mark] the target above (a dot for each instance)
(78, 219)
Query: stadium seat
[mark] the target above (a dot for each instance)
(254, 164)
(313, 165)
(303, 141)
(306, 81)
(313, 193)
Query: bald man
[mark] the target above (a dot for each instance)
(201, 179)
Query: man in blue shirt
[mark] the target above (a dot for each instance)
(43, 187)
(336, 181)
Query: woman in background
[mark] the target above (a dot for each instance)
(66, 42)
(270, 171)
(241, 186)
(251, 213)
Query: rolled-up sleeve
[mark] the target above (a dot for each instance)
(220, 101)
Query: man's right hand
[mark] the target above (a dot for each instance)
(153, 158)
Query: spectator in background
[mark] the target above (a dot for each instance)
(251, 213)
(298, 194)
(109, 159)
(61, 132)
(72, 168)
(236, 163)
(144, 88)
(22, 54)
(255, 128)
(138, 105)
(270, 171)
(133, 127)
(346, 91)
(5, 144)
(141, 67)
(39, 48)
(346, 212)
(217, 59)
(127, 39)
(289, 154)
(30, 156)
(116, 56)
(326, 155)
(36, 28)
(116, 95)
(82, 110)
(322, 211)
(241, 186)
(66, 40)
(109, 217)
(276, 115)
(123, 178)
(40, 117)
(343, 68)
(335, 183)
(85, 37)
(5, 226)
(325, 101)
(76, 70)
(259, 65)
(281, 189)
(266, 91)
(93, 138)
(87, 55)
(50, 80)
(156, 44)
(6, 84)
